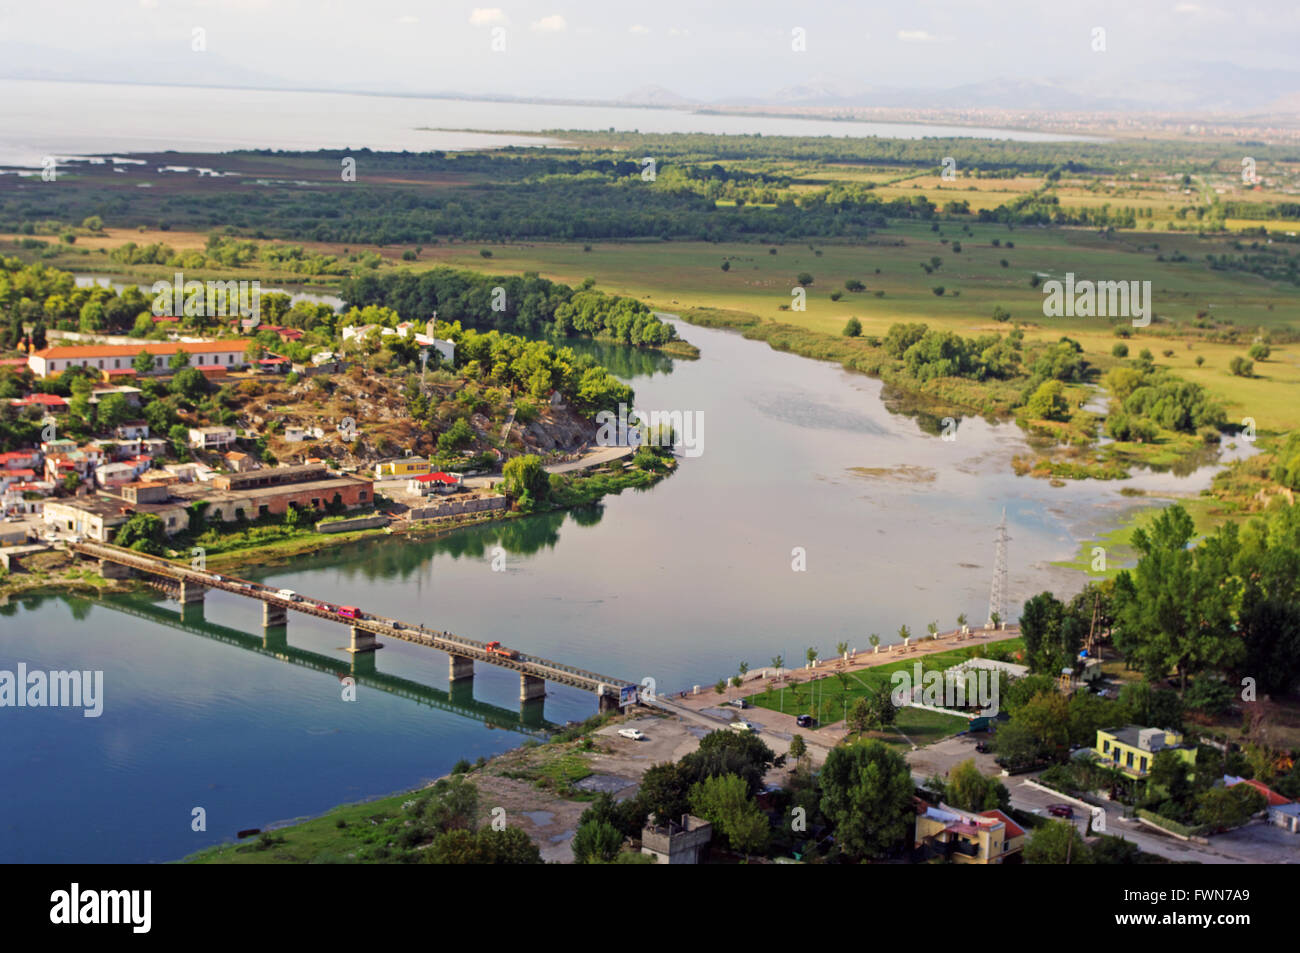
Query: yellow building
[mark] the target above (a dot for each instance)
(1133, 748)
(405, 467)
(963, 837)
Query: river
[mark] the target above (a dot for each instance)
(679, 583)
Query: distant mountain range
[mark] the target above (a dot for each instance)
(1181, 87)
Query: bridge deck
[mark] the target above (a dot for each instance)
(526, 664)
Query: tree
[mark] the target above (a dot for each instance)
(487, 846)
(143, 532)
(1174, 610)
(664, 791)
(804, 278)
(524, 479)
(1223, 808)
(1259, 351)
(596, 840)
(143, 362)
(1120, 349)
(729, 752)
(1048, 402)
(852, 328)
(969, 790)
(189, 383)
(457, 437)
(798, 748)
(1001, 314)
(867, 797)
(725, 802)
(874, 710)
(811, 654)
(113, 410)
(179, 360)
(1057, 842)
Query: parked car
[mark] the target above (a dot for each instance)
(1061, 810)
(634, 733)
(804, 721)
(742, 726)
(740, 703)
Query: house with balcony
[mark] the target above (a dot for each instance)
(211, 438)
(966, 837)
(1132, 749)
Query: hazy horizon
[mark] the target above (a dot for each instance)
(1011, 53)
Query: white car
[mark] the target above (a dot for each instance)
(635, 734)
(742, 726)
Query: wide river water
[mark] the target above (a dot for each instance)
(679, 583)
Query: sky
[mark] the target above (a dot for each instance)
(598, 49)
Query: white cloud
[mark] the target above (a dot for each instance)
(638, 28)
(149, 4)
(408, 19)
(552, 24)
(917, 36)
(678, 31)
(486, 16)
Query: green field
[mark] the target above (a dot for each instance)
(828, 699)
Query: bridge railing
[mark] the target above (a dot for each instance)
(308, 606)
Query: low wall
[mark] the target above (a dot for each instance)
(455, 507)
(347, 526)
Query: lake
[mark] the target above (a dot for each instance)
(75, 119)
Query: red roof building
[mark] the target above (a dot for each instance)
(1013, 829)
(1274, 799)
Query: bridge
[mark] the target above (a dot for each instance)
(459, 701)
(190, 585)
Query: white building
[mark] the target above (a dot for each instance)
(121, 357)
(211, 438)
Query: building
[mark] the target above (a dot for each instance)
(403, 467)
(446, 350)
(299, 434)
(132, 430)
(1285, 816)
(211, 438)
(98, 517)
(240, 462)
(50, 361)
(131, 394)
(229, 497)
(20, 459)
(1271, 797)
(1132, 748)
(965, 837)
(674, 843)
(50, 403)
(423, 484)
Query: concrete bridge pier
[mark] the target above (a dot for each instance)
(607, 702)
(461, 668)
(192, 592)
(274, 614)
(531, 687)
(192, 612)
(363, 640)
